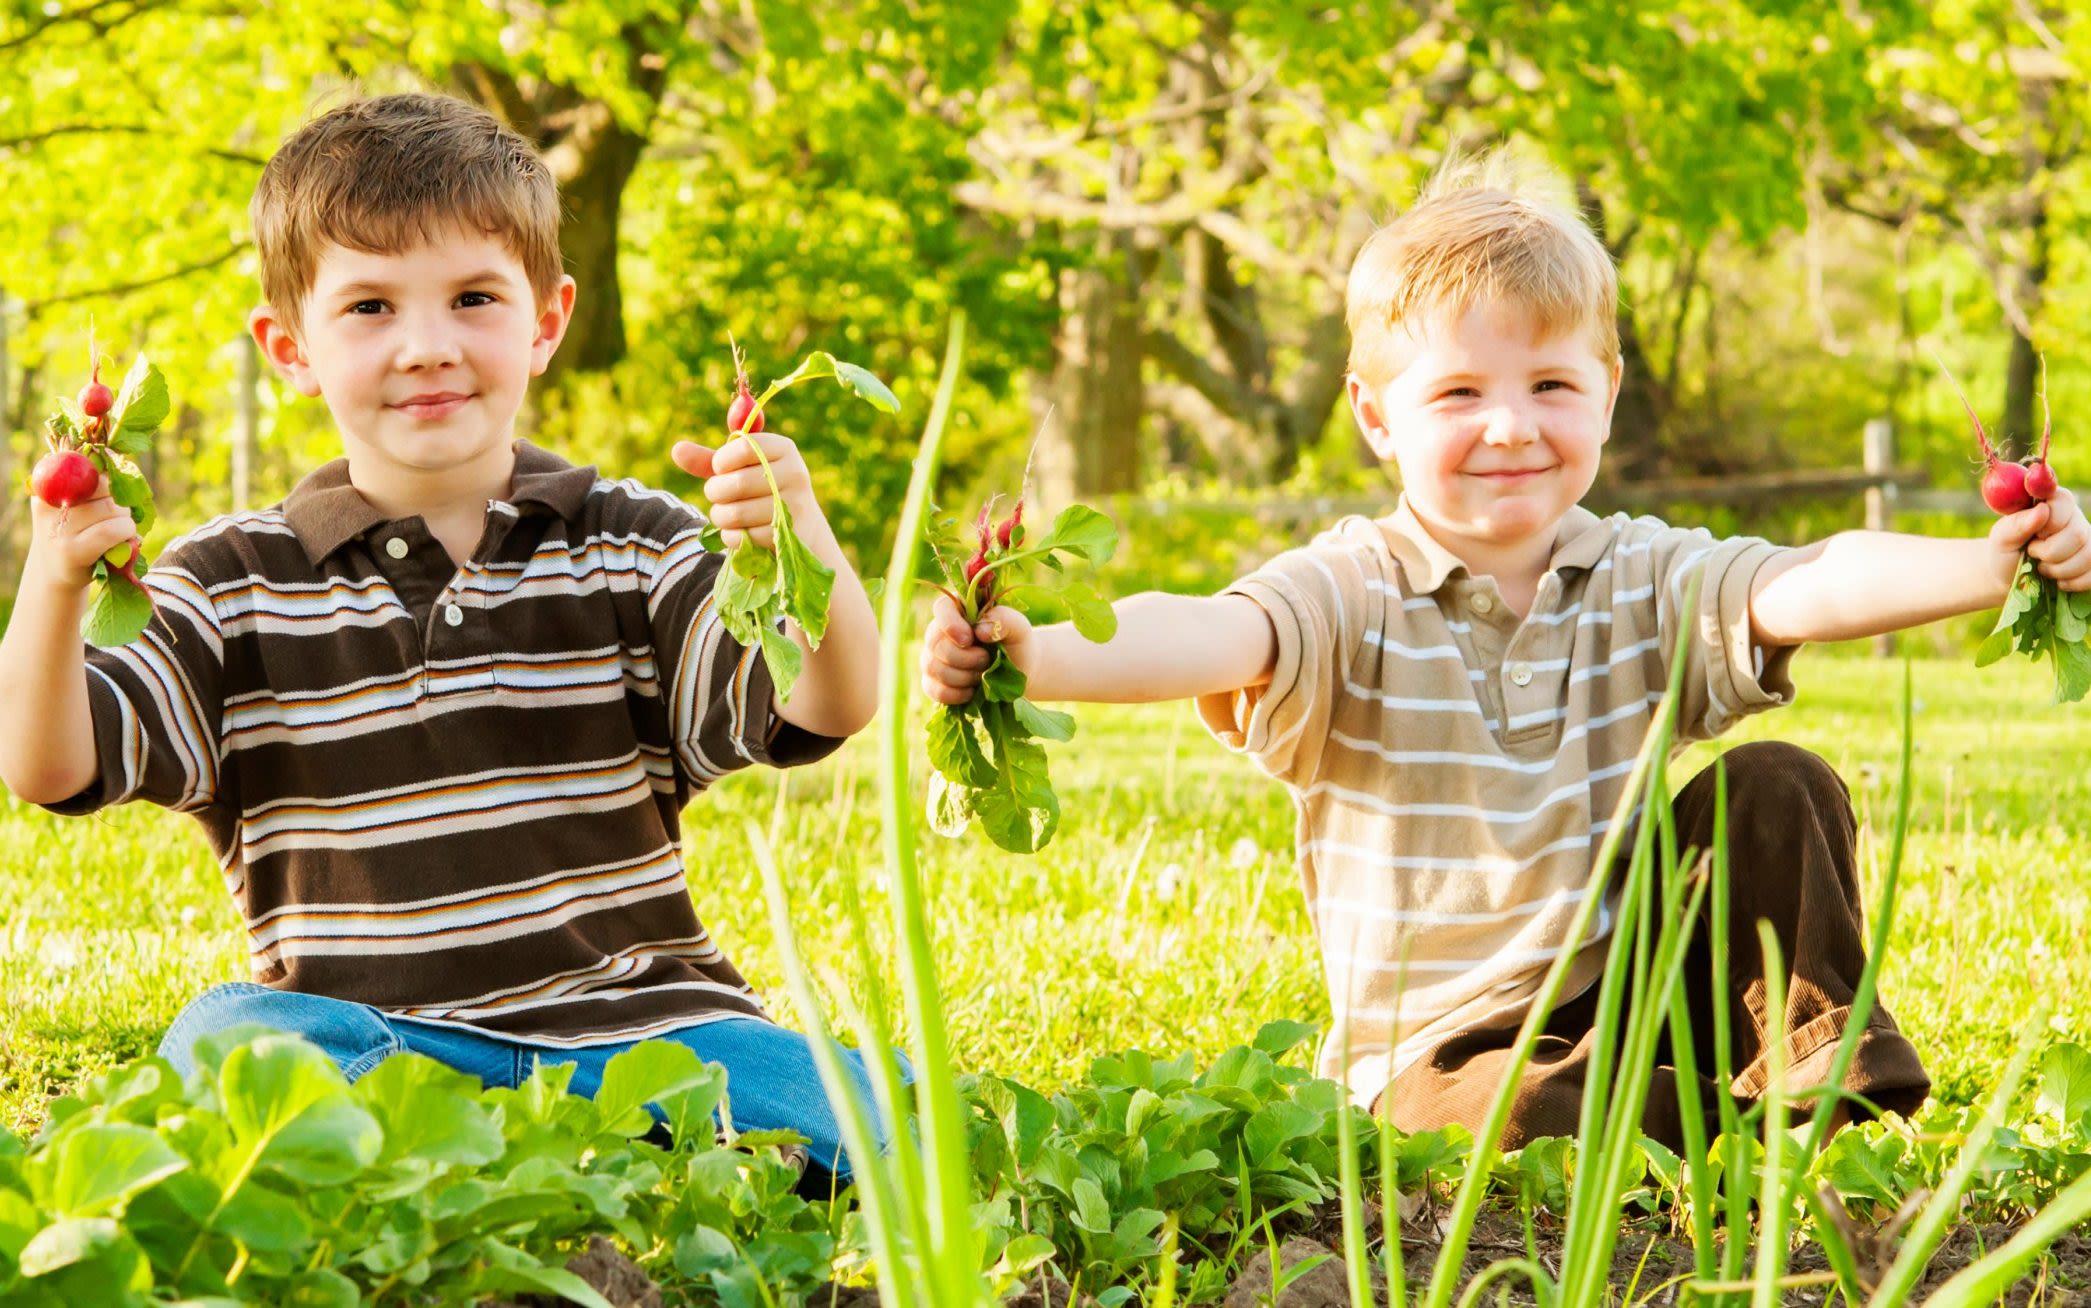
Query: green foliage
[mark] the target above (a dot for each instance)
(988, 753)
(2039, 619)
(759, 588)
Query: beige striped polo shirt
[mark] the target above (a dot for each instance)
(1454, 767)
(451, 792)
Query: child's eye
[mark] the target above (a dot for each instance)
(1551, 383)
(473, 299)
(367, 306)
(1458, 392)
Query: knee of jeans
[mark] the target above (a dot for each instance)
(1780, 773)
(353, 1036)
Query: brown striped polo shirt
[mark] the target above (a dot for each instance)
(453, 793)
(1455, 767)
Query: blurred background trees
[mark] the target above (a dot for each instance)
(1148, 208)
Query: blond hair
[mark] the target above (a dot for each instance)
(1492, 228)
(385, 174)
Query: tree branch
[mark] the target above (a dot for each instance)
(31, 140)
(84, 14)
(1188, 366)
(126, 288)
(1188, 205)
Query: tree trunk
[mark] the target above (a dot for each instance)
(591, 189)
(1091, 446)
(2020, 433)
(592, 156)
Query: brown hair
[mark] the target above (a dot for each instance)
(384, 174)
(1483, 229)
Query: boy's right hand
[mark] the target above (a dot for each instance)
(954, 655)
(64, 543)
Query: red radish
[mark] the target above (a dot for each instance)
(96, 399)
(2003, 482)
(2004, 488)
(742, 415)
(981, 577)
(1007, 531)
(64, 478)
(2040, 480)
(2040, 477)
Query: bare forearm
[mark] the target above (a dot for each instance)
(1865, 583)
(1166, 647)
(47, 748)
(837, 691)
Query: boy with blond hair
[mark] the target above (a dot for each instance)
(1454, 693)
(440, 710)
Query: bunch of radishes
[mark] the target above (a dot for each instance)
(758, 587)
(2008, 486)
(101, 435)
(2037, 619)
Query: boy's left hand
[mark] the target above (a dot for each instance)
(2057, 537)
(739, 493)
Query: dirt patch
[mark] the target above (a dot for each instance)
(606, 1269)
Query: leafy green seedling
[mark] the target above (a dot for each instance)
(759, 588)
(988, 752)
(102, 435)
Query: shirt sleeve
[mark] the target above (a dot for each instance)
(157, 702)
(1727, 677)
(719, 692)
(1315, 599)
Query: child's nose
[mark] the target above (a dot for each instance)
(426, 345)
(1511, 424)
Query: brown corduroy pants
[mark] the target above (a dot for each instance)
(1792, 843)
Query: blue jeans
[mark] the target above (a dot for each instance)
(770, 1072)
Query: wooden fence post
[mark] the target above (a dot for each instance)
(1880, 499)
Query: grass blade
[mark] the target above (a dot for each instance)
(873, 1184)
(953, 1257)
(1771, 1203)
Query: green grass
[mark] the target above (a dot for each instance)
(1166, 914)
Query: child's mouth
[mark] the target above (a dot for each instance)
(431, 407)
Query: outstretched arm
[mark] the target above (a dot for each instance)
(1166, 647)
(47, 744)
(1865, 583)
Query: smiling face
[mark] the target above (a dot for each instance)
(1494, 423)
(422, 357)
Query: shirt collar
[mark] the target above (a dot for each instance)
(1580, 540)
(326, 511)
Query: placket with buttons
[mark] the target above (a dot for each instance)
(448, 611)
(1529, 697)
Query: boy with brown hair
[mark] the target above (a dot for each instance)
(1454, 693)
(440, 710)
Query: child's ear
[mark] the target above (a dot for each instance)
(272, 332)
(1372, 421)
(1612, 399)
(553, 316)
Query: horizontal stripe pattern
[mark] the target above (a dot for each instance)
(451, 792)
(1454, 766)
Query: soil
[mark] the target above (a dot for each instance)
(1653, 1265)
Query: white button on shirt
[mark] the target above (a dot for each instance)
(1521, 674)
(396, 547)
(1481, 604)
(455, 616)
